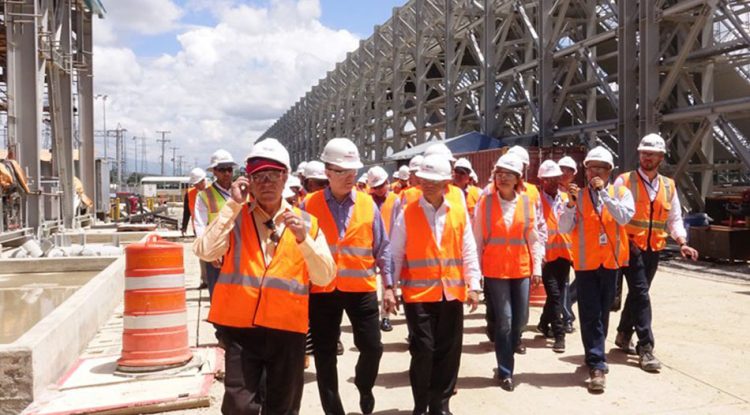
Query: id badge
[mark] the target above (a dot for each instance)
(602, 239)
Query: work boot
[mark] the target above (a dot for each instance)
(597, 380)
(647, 360)
(624, 342)
(568, 327)
(385, 324)
(366, 402)
(545, 330)
(559, 346)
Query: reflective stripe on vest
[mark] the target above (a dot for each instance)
(506, 253)
(214, 201)
(249, 293)
(559, 244)
(430, 270)
(588, 253)
(353, 253)
(644, 218)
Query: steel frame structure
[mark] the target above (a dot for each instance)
(48, 77)
(547, 73)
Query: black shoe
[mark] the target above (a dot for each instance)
(507, 384)
(568, 327)
(545, 330)
(385, 325)
(339, 348)
(366, 402)
(559, 346)
(520, 348)
(203, 286)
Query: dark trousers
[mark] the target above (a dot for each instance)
(326, 311)
(555, 276)
(636, 315)
(570, 295)
(510, 305)
(596, 290)
(251, 352)
(435, 346)
(212, 275)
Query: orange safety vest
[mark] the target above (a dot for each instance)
(386, 211)
(506, 253)
(532, 191)
(214, 201)
(558, 244)
(249, 293)
(355, 264)
(453, 195)
(648, 228)
(588, 253)
(430, 269)
(397, 187)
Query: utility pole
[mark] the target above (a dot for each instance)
(135, 157)
(143, 155)
(104, 121)
(119, 156)
(163, 140)
(174, 160)
(179, 164)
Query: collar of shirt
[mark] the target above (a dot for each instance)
(263, 215)
(444, 207)
(221, 189)
(653, 183)
(329, 197)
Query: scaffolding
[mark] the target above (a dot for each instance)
(547, 73)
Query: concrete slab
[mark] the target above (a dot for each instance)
(93, 386)
(71, 264)
(701, 340)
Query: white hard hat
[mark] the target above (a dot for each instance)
(403, 172)
(653, 142)
(510, 161)
(415, 162)
(396, 173)
(600, 153)
(315, 170)
(435, 167)
(376, 176)
(439, 149)
(548, 169)
(521, 153)
(463, 163)
(293, 181)
(474, 176)
(343, 153)
(270, 149)
(568, 162)
(301, 168)
(197, 175)
(221, 156)
(288, 192)
(362, 178)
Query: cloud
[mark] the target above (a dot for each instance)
(145, 17)
(228, 82)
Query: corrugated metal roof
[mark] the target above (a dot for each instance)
(464, 143)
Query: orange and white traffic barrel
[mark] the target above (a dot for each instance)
(155, 334)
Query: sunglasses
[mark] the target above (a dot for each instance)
(224, 169)
(266, 176)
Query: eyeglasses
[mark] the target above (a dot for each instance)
(266, 176)
(504, 175)
(342, 173)
(223, 169)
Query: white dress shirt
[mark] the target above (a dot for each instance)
(200, 218)
(621, 208)
(534, 242)
(674, 219)
(436, 218)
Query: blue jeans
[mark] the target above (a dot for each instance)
(510, 305)
(596, 291)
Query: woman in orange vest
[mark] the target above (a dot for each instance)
(556, 269)
(272, 253)
(511, 255)
(596, 217)
(435, 260)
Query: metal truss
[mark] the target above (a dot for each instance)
(546, 73)
(47, 78)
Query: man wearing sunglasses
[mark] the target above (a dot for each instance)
(272, 253)
(359, 244)
(209, 202)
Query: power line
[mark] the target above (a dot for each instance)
(163, 140)
(174, 160)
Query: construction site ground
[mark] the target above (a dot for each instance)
(701, 322)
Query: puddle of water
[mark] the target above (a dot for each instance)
(27, 298)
